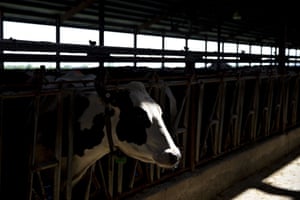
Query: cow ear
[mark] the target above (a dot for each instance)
(100, 82)
(119, 97)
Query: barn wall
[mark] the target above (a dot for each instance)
(206, 182)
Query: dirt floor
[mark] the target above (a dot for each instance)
(280, 181)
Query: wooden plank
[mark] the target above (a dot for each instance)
(76, 9)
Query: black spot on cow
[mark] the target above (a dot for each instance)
(133, 122)
(82, 139)
(87, 138)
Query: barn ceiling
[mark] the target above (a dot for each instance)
(248, 21)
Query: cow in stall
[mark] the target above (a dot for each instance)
(219, 65)
(136, 126)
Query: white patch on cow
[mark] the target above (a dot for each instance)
(94, 108)
(80, 164)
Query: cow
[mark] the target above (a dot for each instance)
(136, 126)
(219, 65)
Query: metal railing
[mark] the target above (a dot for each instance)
(215, 114)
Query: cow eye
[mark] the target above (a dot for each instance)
(142, 116)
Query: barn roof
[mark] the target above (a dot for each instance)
(248, 21)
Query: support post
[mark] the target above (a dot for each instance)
(1, 37)
(101, 27)
(57, 38)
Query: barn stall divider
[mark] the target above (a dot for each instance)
(209, 115)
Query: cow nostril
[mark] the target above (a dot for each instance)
(173, 158)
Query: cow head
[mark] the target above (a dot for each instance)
(138, 127)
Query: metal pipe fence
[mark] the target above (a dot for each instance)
(208, 115)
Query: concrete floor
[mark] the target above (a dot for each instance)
(280, 181)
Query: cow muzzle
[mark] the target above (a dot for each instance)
(168, 159)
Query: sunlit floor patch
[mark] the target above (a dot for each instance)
(287, 177)
(281, 181)
(256, 194)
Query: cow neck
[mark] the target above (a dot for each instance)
(108, 115)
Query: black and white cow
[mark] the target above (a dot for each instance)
(137, 126)
(221, 65)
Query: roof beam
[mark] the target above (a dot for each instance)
(81, 6)
(151, 21)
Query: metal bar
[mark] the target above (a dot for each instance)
(44, 166)
(216, 117)
(285, 104)
(58, 147)
(234, 114)
(57, 38)
(104, 185)
(255, 107)
(158, 172)
(132, 179)
(295, 100)
(241, 95)
(221, 115)
(120, 178)
(186, 120)
(270, 106)
(88, 187)
(70, 146)
(151, 172)
(111, 167)
(23, 45)
(191, 134)
(199, 121)
(38, 173)
(1, 139)
(32, 160)
(101, 25)
(1, 37)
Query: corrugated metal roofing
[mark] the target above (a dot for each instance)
(247, 21)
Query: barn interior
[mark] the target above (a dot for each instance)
(219, 110)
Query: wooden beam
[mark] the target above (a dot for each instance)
(81, 6)
(154, 20)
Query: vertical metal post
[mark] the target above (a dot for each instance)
(255, 108)
(32, 160)
(192, 129)
(219, 41)
(57, 38)
(282, 41)
(101, 27)
(250, 48)
(70, 146)
(221, 115)
(111, 169)
(1, 139)
(271, 53)
(58, 147)
(239, 112)
(199, 121)
(261, 54)
(205, 49)
(270, 104)
(186, 120)
(134, 46)
(237, 55)
(1, 37)
(163, 56)
(285, 103)
(295, 102)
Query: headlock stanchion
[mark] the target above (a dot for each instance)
(209, 115)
